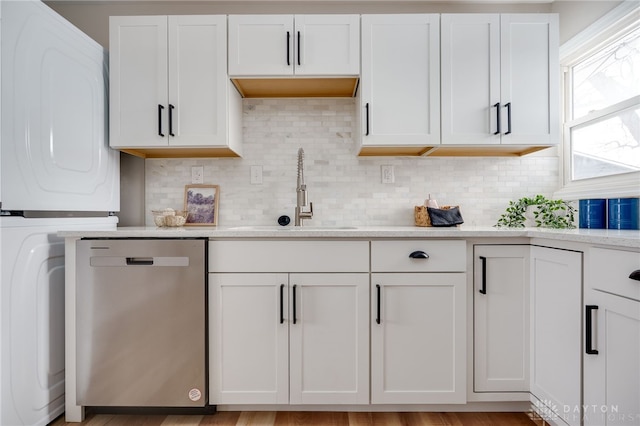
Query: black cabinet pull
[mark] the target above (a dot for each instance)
(288, 49)
(299, 48)
(160, 108)
(589, 330)
(635, 275)
(508, 107)
(483, 289)
(294, 304)
(377, 303)
(366, 107)
(497, 107)
(281, 303)
(419, 254)
(171, 108)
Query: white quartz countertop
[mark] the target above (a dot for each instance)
(621, 238)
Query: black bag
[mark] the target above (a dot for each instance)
(445, 217)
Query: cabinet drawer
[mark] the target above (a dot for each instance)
(395, 256)
(609, 270)
(288, 256)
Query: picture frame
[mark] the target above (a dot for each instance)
(201, 203)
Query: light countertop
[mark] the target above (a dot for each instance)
(621, 238)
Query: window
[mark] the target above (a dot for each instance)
(602, 113)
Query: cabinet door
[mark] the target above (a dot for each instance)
(418, 338)
(612, 375)
(197, 80)
(138, 81)
(261, 45)
(329, 338)
(470, 78)
(530, 74)
(400, 96)
(501, 318)
(248, 347)
(327, 44)
(556, 312)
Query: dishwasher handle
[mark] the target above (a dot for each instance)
(123, 261)
(145, 261)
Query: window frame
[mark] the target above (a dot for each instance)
(619, 21)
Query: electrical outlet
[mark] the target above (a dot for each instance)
(256, 175)
(197, 174)
(387, 174)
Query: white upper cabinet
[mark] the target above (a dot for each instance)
(287, 45)
(500, 79)
(399, 85)
(138, 80)
(169, 85)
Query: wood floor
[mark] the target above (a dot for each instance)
(282, 418)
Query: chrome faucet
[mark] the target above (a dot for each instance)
(301, 191)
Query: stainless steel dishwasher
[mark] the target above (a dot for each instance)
(140, 323)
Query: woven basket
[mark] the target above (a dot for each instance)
(421, 215)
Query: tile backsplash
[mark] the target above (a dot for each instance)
(345, 189)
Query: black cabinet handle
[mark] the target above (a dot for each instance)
(377, 303)
(160, 108)
(281, 303)
(288, 48)
(483, 289)
(589, 330)
(497, 107)
(508, 106)
(299, 48)
(366, 107)
(294, 304)
(171, 108)
(419, 254)
(635, 275)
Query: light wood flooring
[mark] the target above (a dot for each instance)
(282, 418)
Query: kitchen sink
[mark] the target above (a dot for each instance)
(291, 228)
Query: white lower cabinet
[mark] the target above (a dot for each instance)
(556, 331)
(289, 338)
(612, 339)
(329, 339)
(418, 350)
(249, 342)
(501, 318)
(418, 317)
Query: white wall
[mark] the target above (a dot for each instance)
(345, 189)
(575, 16)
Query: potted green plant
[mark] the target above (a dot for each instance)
(547, 213)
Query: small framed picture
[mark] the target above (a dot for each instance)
(201, 204)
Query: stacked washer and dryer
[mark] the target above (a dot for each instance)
(56, 173)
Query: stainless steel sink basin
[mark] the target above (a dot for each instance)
(290, 228)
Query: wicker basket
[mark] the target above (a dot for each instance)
(422, 216)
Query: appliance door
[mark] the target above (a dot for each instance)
(32, 267)
(55, 152)
(140, 311)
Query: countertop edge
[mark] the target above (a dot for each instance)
(619, 238)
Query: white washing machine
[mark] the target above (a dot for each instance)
(32, 316)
